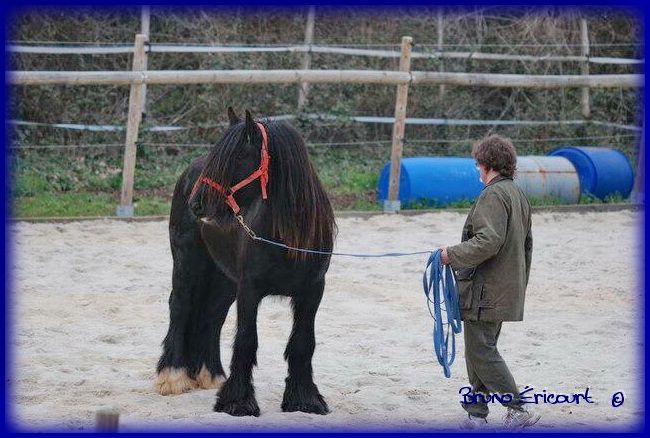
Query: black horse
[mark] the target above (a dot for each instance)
(261, 172)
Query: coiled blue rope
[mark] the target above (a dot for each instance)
(440, 289)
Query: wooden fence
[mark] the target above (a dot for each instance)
(187, 77)
(312, 48)
(403, 79)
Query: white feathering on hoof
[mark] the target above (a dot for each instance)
(206, 381)
(174, 381)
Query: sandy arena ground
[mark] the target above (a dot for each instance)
(89, 312)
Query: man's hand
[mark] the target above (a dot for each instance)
(444, 256)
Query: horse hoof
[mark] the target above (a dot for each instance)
(316, 405)
(172, 381)
(238, 409)
(206, 381)
(308, 409)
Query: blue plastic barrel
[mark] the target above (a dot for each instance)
(602, 171)
(546, 177)
(433, 181)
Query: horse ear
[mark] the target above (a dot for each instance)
(232, 117)
(250, 123)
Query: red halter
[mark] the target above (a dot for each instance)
(262, 173)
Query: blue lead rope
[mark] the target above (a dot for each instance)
(346, 254)
(440, 289)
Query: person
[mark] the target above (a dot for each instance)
(492, 266)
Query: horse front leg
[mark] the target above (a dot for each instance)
(301, 393)
(237, 395)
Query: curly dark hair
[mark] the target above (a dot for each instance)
(497, 153)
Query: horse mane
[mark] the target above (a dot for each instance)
(300, 212)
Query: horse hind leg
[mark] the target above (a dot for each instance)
(301, 393)
(203, 368)
(192, 281)
(213, 311)
(175, 373)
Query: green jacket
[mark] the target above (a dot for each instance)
(492, 262)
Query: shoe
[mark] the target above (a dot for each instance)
(520, 418)
(473, 422)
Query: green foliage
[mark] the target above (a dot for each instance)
(430, 203)
(151, 206)
(537, 201)
(461, 204)
(344, 171)
(65, 205)
(348, 155)
(201, 108)
(83, 204)
(614, 198)
(588, 198)
(31, 185)
(349, 179)
(421, 204)
(365, 205)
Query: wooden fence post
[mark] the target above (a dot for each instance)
(393, 203)
(107, 420)
(125, 209)
(306, 60)
(584, 69)
(440, 49)
(145, 26)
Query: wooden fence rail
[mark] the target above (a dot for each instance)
(186, 77)
(404, 78)
(310, 48)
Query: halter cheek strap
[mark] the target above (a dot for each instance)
(262, 173)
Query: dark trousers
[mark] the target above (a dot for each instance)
(486, 369)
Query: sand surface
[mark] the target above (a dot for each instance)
(89, 312)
